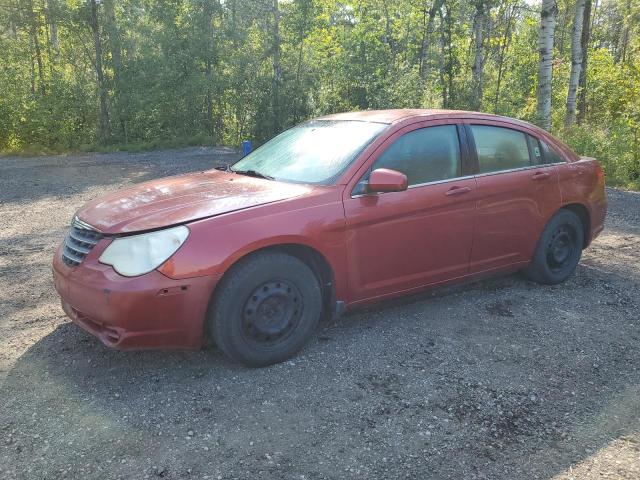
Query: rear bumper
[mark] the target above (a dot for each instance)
(145, 312)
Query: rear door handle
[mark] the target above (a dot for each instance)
(458, 190)
(540, 175)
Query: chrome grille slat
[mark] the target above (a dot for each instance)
(79, 241)
(79, 238)
(69, 253)
(78, 248)
(82, 225)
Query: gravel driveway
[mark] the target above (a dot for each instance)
(499, 379)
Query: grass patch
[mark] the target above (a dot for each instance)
(633, 185)
(33, 150)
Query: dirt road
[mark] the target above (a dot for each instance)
(501, 379)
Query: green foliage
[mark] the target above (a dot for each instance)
(182, 72)
(612, 133)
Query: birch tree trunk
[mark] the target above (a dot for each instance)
(545, 49)
(576, 63)
(582, 83)
(477, 70)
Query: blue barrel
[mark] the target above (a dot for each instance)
(246, 147)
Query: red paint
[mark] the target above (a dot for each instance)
(150, 311)
(377, 245)
(385, 180)
(180, 199)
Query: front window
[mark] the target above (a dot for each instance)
(424, 155)
(313, 152)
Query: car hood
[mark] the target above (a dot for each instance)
(175, 200)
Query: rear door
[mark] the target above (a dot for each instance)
(517, 194)
(398, 241)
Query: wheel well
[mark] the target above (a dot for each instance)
(314, 260)
(583, 214)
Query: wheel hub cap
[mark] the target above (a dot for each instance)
(271, 312)
(560, 248)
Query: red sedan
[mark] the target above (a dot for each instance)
(334, 213)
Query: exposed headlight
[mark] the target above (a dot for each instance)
(140, 254)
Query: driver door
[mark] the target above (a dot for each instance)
(400, 241)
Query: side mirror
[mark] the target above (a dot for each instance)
(386, 180)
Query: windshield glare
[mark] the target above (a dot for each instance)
(313, 152)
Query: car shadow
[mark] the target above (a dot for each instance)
(465, 379)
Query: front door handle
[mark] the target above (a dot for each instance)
(458, 190)
(540, 175)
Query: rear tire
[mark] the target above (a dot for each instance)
(558, 251)
(265, 309)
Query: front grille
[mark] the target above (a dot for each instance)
(79, 242)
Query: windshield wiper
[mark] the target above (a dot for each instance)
(252, 173)
(224, 168)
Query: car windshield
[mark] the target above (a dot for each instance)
(313, 152)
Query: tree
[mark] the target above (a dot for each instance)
(277, 69)
(584, 43)
(545, 48)
(477, 79)
(52, 19)
(115, 48)
(510, 10)
(576, 62)
(427, 34)
(102, 87)
(34, 23)
(82, 74)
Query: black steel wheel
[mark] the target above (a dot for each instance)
(265, 309)
(272, 312)
(559, 249)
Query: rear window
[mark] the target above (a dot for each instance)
(550, 155)
(500, 148)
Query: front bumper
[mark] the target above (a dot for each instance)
(145, 312)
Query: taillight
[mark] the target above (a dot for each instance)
(600, 174)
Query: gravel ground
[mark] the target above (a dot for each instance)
(499, 379)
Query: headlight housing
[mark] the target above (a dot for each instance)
(139, 254)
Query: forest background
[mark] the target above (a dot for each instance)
(87, 75)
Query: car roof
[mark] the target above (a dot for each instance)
(396, 115)
(388, 116)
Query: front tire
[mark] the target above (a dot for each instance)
(558, 251)
(265, 309)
